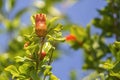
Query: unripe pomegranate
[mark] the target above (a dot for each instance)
(40, 25)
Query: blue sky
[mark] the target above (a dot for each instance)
(80, 13)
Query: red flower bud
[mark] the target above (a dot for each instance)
(26, 44)
(40, 25)
(70, 38)
(43, 54)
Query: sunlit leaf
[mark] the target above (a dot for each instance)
(51, 22)
(32, 20)
(53, 77)
(13, 70)
(21, 59)
(25, 68)
(47, 70)
(107, 65)
(115, 74)
(58, 27)
(117, 44)
(47, 46)
(55, 39)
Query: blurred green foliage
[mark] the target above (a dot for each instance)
(96, 47)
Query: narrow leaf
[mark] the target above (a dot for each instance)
(58, 27)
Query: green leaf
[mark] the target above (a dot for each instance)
(51, 38)
(58, 27)
(1, 4)
(32, 20)
(47, 70)
(57, 34)
(115, 74)
(113, 49)
(88, 30)
(118, 56)
(32, 46)
(28, 52)
(13, 70)
(21, 59)
(11, 4)
(73, 75)
(34, 75)
(53, 77)
(4, 76)
(60, 39)
(25, 68)
(27, 37)
(47, 46)
(117, 44)
(116, 67)
(51, 22)
(107, 65)
(16, 23)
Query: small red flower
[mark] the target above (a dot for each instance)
(43, 54)
(40, 24)
(70, 38)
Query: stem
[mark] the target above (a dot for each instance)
(50, 57)
(42, 43)
(44, 77)
(39, 53)
(49, 63)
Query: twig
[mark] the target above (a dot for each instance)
(49, 63)
(51, 55)
(44, 77)
(39, 53)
